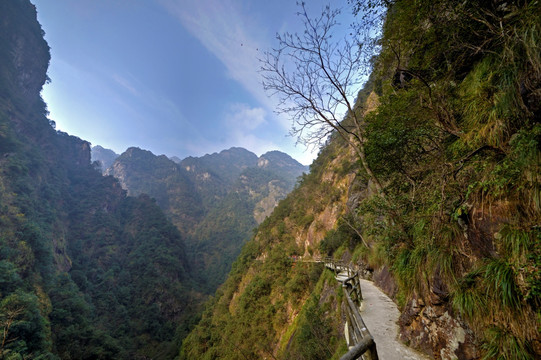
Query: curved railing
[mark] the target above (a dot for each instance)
(360, 341)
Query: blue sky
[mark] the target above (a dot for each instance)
(176, 77)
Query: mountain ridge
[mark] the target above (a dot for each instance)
(214, 200)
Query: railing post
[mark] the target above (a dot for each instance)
(352, 335)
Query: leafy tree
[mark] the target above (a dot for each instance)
(23, 328)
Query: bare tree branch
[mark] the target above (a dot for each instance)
(316, 79)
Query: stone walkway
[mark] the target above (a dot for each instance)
(380, 314)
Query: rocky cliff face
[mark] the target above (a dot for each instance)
(25, 66)
(272, 196)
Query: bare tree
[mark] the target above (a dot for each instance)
(316, 80)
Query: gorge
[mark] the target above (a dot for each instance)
(196, 258)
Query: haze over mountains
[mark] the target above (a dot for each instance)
(104, 157)
(87, 272)
(214, 200)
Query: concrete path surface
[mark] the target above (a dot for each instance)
(380, 315)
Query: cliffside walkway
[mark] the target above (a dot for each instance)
(380, 314)
(371, 328)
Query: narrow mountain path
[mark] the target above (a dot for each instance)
(380, 314)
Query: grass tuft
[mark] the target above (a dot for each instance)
(499, 277)
(515, 243)
(503, 345)
(469, 299)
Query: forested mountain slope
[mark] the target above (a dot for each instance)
(85, 271)
(271, 305)
(142, 172)
(215, 200)
(443, 209)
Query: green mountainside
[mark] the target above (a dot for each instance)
(439, 204)
(270, 305)
(443, 211)
(141, 172)
(215, 200)
(85, 271)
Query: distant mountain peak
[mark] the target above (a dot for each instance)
(276, 154)
(227, 164)
(281, 164)
(236, 149)
(134, 150)
(175, 159)
(215, 200)
(105, 157)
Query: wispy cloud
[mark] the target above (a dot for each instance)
(228, 32)
(245, 117)
(126, 84)
(233, 34)
(244, 123)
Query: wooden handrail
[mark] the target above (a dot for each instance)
(364, 345)
(361, 348)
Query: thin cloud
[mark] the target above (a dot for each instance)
(232, 37)
(243, 124)
(245, 117)
(127, 85)
(169, 111)
(229, 32)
